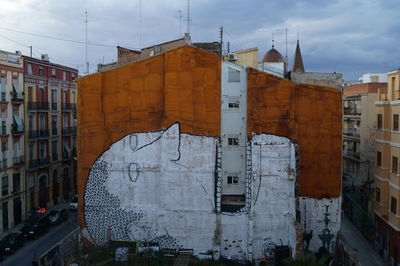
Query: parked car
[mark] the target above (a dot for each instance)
(36, 226)
(73, 204)
(58, 216)
(11, 242)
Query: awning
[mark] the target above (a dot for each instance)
(18, 122)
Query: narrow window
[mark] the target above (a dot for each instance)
(40, 71)
(64, 75)
(233, 179)
(394, 164)
(233, 75)
(379, 158)
(30, 72)
(396, 122)
(233, 105)
(4, 185)
(378, 194)
(53, 73)
(379, 123)
(233, 141)
(393, 205)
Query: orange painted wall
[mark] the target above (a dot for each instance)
(181, 85)
(311, 116)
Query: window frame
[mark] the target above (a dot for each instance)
(379, 123)
(395, 165)
(379, 158)
(393, 205)
(395, 122)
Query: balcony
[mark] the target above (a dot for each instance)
(17, 97)
(33, 134)
(352, 154)
(352, 111)
(33, 163)
(3, 96)
(44, 133)
(18, 160)
(44, 161)
(69, 130)
(17, 130)
(351, 132)
(38, 106)
(68, 106)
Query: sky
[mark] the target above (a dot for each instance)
(352, 37)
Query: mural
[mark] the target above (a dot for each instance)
(161, 187)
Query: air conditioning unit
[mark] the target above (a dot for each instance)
(232, 57)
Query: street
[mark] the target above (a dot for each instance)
(23, 257)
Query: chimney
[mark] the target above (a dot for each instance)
(18, 52)
(187, 39)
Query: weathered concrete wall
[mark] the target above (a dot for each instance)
(332, 80)
(311, 116)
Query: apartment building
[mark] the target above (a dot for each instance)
(12, 169)
(50, 133)
(359, 133)
(387, 171)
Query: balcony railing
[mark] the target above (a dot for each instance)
(44, 133)
(67, 155)
(69, 106)
(18, 160)
(352, 154)
(33, 134)
(33, 163)
(17, 96)
(44, 161)
(352, 111)
(351, 132)
(38, 105)
(15, 129)
(69, 130)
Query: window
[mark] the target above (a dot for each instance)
(53, 73)
(16, 182)
(30, 72)
(378, 158)
(233, 179)
(41, 71)
(54, 150)
(54, 96)
(31, 181)
(4, 185)
(393, 205)
(379, 122)
(394, 164)
(64, 75)
(233, 105)
(3, 83)
(396, 122)
(43, 149)
(15, 84)
(378, 194)
(233, 75)
(233, 141)
(30, 151)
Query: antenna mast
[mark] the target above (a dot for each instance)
(87, 63)
(180, 23)
(221, 34)
(188, 17)
(140, 24)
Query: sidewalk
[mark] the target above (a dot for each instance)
(365, 253)
(19, 226)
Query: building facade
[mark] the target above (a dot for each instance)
(12, 168)
(387, 172)
(50, 132)
(193, 152)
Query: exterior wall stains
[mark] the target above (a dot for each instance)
(311, 117)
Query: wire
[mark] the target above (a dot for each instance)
(59, 39)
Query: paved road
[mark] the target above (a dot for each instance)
(366, 255)
(23, 257)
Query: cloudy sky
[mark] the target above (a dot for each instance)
(348, 36)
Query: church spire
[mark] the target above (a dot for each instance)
(298, 60)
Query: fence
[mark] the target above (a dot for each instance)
(59, 253)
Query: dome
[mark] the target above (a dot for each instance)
(273, 56)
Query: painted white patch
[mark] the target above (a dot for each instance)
(313, 215)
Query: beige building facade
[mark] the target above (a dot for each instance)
(12, 170)
(387, 169)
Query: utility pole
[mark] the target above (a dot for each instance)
(30, 48)
(221, 33)
(87, 63)
(188, 17)
(140, 24)
(228, 48)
